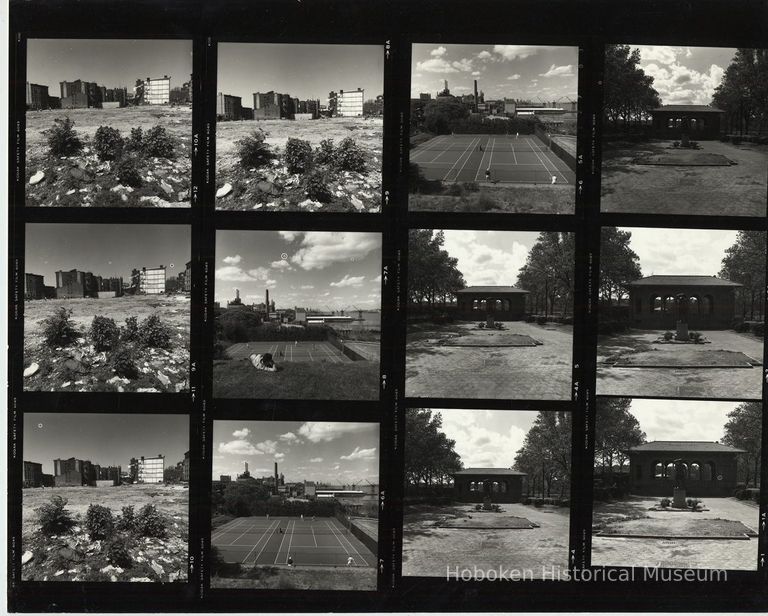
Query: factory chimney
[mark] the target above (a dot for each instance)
(267, 302)
(275, 478)
(475, 95)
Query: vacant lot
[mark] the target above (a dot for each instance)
(298, 578)
(738, 189)
(430, 549)
(462, 361)
(488, 197)
(83, 180)
(273, 188)
(76, 365)
(701, 553)
(671, 382)
(73, 555)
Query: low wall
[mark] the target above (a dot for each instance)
(335, 340)
(567, 157)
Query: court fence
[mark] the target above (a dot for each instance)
(360, 533)
(567, 157)
(338, 342)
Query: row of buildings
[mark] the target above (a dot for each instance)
(75, 283)
(276, 106)
(77, 472)
(81, 94)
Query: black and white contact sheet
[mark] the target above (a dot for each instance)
(387, 306)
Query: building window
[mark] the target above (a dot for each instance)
(669, 470)
(656, 304)
(709, 473)
(695, 473)
(658, 470)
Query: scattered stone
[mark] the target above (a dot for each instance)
(356, 202)
(167, 188)
(140, 579)
(113, 578)
(37, 178)
(147, 390)
(264, 186)
(71, 191)
(33, 367)
(224, 190)
(157, 568)
(67, 384)
(163, 379)
(26, 557)
(59, 572)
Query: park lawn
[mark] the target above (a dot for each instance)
(299, 578)
(297, 380)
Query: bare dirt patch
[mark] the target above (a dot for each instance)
(680, 527)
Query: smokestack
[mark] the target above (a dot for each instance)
(237, 295)
(445, 82)
(246, 468)
(267, 301)
(275, 477)
(475, 95)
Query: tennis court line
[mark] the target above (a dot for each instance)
(290, 541)
(333, 532)
(512, 145)
(458, 173)
(266, 534)
(245, 532)
(312, 528)
(467, 149)
(550, 162)
(222, 530)
(280, 549)
(480, 166)
(430, 146)
(339, 537)
(331, 355)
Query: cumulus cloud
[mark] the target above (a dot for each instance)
(464, 65)
(484, 55)
(360, 454)
(377, 279)
(280, 265)
(289, 437)
(239, 447)
(323, 432)
(349, 281)
(515, 52)
(475, 73)
(242, 433)
(232, 260)
(436, 65)
(289, 236)
(558, 71)
(481, 260)
(267, 446)
(484, 438)
(306, 287)
(234, 273)
(514, 77)
(315, 460)
(680, 85)
(279, 456)
(319, 249)
(438, 52)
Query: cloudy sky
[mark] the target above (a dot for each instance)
(303, 71)
(696, 252)
(312, 269)
(681, 420)
(104, 249)
(329, 452)
(487, 438)
(109, 62)
(502, 71)
(106, 439)
(685, 75)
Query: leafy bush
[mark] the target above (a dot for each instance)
(128, 171)
(665, 502)
(127, 519)
(324, 155)
(63, 139)
(153, 333)
(239, 326)
(696, 336)
(758, 329)
(297, 155)
(668, 335)
(99, 521)
(456, 190)
(317, 187)
(485, 203)
(157, 142)
(349, 156)
(54, 519)
(150, 523)
(131, 330)
(107, 198)
(57, 328)
(104, 333)
(123, 362)
(117, 552)
(478, 507)
(253, 150)
(136, 140)
(108, 143)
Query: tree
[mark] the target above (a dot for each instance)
(619, 264)
(433, 275)
(546, 453)
(548, 273)
(243, 498)
(172, 474)
(430, 458)
(743, 91)
(628, 93)
(441, 113)
(744, 430)
(616, 431)
(744, 262)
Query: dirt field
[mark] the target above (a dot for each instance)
(78, 367)
(75, 556)
(83, 180)
(272, 188)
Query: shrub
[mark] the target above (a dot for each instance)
(297, 155)
(108, 143)
(541, 320)
(696, 336)
(107, 198)
(54, 519)
(153, 333)
(325, 153)
(665, 502)
(157, 142)
(668, 335)
(62, 138)
(117, 552)
(456, 190)
(57, 328)
(471, 186)
(99, 521)
(253, 150)
(127, 171)
(486, 203)
(317, 187)
(135, 140)
(104, 333)
(478, 507)
(758, 329)
(149, 523)
(124, 362)
(349, 156)
(127, 519)
(131, 330)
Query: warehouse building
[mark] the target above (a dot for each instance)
(34, 286)
(33, 475)
(149, 280)
(153, 91)
(228, 107)
(349, 103)
(150, 470)
(37, 96)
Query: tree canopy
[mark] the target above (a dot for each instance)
(442, 112)
(744, 430)
(628, 93)
(433, 275)
(744, 262)
(430, 458)
(616, 430)
(548, 273)
(743, 91)
(619, 264)
(546, 453)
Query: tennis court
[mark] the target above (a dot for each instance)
(320, 542)
(512, 159)
(303, 351)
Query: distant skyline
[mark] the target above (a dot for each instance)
(303, 71)
(685, 75)
(105, 439)
(529, 72)
(112, 63)
(693, 252)
(682, 420)
(486, 438)
(104, 249)
(328, 452)
(309, 269)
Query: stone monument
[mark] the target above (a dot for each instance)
(678, 489)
